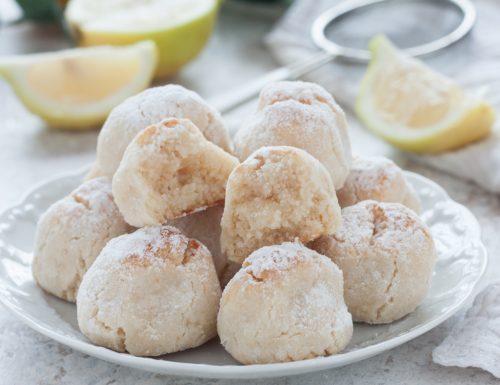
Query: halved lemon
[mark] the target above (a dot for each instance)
(179, 28)
(415, 108)
(77, 88)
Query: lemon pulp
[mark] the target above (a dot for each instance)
(179, 28)
(77, 88)
(415, 108)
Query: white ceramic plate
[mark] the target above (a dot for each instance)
(462, 260)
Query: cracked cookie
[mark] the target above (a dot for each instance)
(278, 194)
(285, 304)
(150, 107)
(170, 170)
(377, 178)
(387, 256)
(149, 293)
(71, 234)
(302, 115)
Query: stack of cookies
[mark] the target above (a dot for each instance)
(276, 244)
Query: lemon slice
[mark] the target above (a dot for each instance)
(180, 28)
(77, 88)
(415, 108)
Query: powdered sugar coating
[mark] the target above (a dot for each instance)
(387, 256)
(149, 246)
(307, 93)
(377, 178)
(150, 107)
(70, 235)
(285, 304)
(302, 115)
(150, 292)
(275, 259)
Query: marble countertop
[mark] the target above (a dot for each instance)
(30, 153)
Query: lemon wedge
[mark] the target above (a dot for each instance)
(180, 28)
(415, 108)
(77, 88)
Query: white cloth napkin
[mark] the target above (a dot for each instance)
(475, 341)
(474, 63)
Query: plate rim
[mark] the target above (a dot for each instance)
(235, 371)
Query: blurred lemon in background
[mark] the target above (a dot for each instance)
(77, 88)
(415, 108)
(180, 28)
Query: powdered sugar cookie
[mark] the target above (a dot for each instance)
(377, 178)
(276, 195)
(170, 170)
(387, 256)
(70, 235)
(285, 304)
(149, 293)
(302, 115)
(306, 93)
(150, 107)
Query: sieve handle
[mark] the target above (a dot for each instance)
(234, 98)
